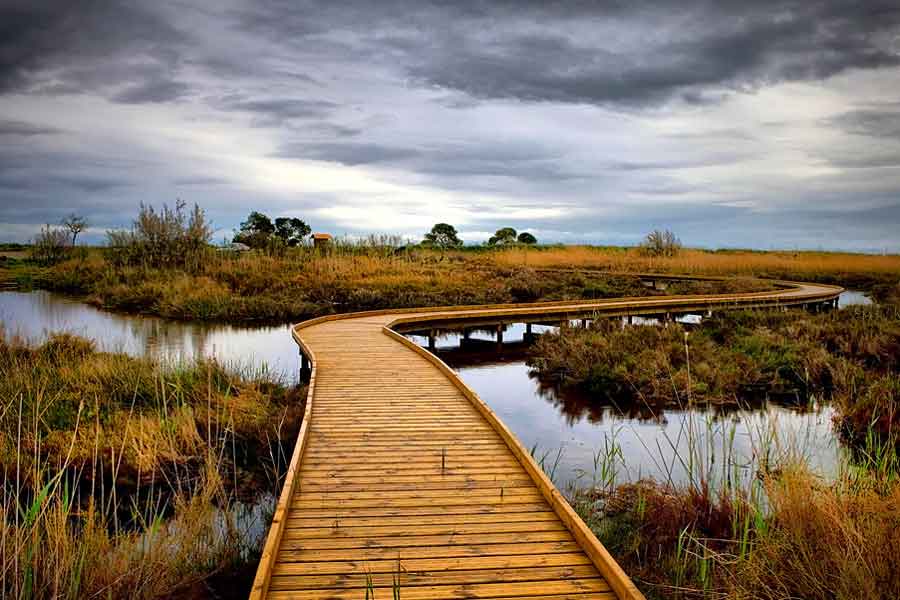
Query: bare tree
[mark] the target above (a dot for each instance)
(75, 224)
(661, 243)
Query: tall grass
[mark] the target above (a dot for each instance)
(777, 529)
(119, 477)
(820, 266)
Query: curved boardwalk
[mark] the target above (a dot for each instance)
(401, 474)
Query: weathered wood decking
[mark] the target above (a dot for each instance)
(402, 473)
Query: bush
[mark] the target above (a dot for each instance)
(170, 238)
(661, 243)
(50, 246)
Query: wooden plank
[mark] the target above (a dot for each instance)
(479, 590)
(419, 542)
(473, 550)
(413, 565)
(297, 521)
(408, 579)
(373, 531)
(474, 508)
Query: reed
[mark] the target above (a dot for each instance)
(817, 266)
(120, 476)
(775, 530)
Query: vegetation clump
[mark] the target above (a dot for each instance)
(851, 356)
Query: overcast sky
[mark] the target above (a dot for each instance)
(735, 123)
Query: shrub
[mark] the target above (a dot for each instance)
(661, 243)
(50, 245)
(170, 238)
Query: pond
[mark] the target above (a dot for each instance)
(565, 430)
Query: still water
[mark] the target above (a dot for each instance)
(566, 430)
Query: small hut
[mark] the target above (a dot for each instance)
(321, 241)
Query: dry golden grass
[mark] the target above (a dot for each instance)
(839, 541)
(702, 262)
(118, 475)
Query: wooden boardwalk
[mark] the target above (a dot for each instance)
(401, 474)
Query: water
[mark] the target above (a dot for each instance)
(35, 315)
(541, 417)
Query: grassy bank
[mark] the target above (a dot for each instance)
(299, 283)
(121, 476)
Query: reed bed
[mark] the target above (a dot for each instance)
(816, 266)
(770, 527)
(122, 478)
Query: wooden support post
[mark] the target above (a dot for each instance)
(432, 340)
(528, 328)
(584, 323)
(499, 335)
(466, 333)
(631, 319)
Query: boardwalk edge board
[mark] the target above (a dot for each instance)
(788, 293)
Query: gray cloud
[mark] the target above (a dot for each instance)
(202, 180)
(21, 128)
(61, 47)
(880, 121)
(276, 111)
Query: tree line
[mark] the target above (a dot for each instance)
(176, 236)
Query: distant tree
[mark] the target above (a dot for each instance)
(506, 235)
(443, 236)
(255, 231)
(75, 224)
(527, 238)
(661, 243)
(291, 231)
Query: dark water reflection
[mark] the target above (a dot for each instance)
(653, 443)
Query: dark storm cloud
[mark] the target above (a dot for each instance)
(721, 45)
(622, 53)
(89, 46)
